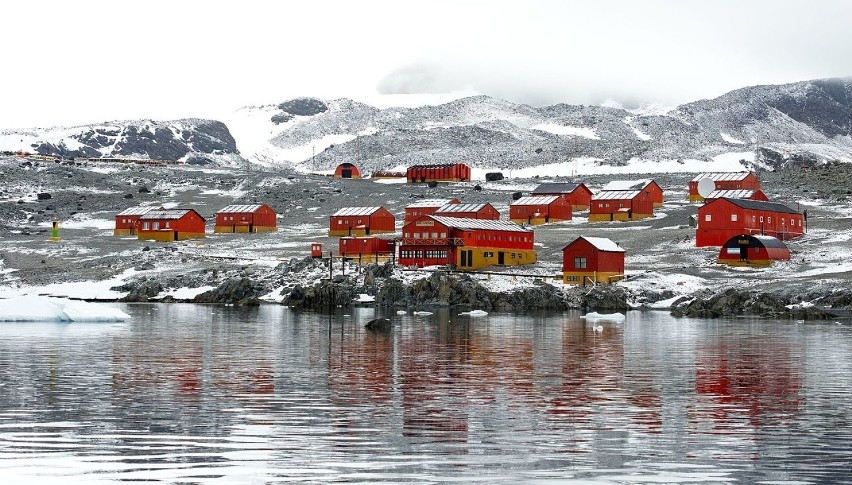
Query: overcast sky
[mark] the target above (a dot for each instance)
(84, 61)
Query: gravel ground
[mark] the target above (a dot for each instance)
(662, 261)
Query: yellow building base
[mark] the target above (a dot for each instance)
(536, 221)
(695, 198)
(618, 216)
(367, 258)
(759, 263)
(242, 229)
(354, 232)
(590, 277)
(122, 232)
(579, 208)
(658, 205)
(477, 258)
(166, 236)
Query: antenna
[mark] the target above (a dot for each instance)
(706, 186)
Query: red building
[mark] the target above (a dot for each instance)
(465, 243)
(592, 260)
(458, 172)
(645, 185)
(724, 181)
(127, 221)
(578, 195)
(621, 205)
(347, 170)
(539, 209)
(470, 211)
(426, 207)
(246, 218)
(366, 249)
(171, 225)
(751, 194)
(361, 221)
(722, 219)
(748, 250)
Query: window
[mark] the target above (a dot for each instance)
(769, 220)
(733, 218)
(156, 225)
(144, 226)
(707, 218)
(580, 263)
(340, 222)
(167, 224)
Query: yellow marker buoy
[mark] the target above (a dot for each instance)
(54, 234)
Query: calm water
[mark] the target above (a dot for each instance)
(209, 394)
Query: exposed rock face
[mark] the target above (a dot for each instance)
(733, 302)
(239, 291)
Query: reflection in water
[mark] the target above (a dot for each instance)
(192, 393)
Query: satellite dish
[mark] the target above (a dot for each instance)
(706, 186)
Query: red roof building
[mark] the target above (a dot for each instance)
(347, 170)
(590, 260)
(484, 211)
(748, 250)
(724, 181)
(467, 244)
(721, 219)
(127, 221)
(578, 195)
(171, 225)
(621, 205)
(366, 249)
(645, 185)
(458, 172)
(246, 218)
(539, 209)
(361, 221)
(426, 207)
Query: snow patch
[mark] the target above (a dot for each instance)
(46, 309)
(730, 139)
(568, 130)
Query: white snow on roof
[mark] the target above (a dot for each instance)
(458, 208)
(603, 244)
(627, 184)
(135, 211)
(466, 223)
(356, 211)
(429, 203)
(165, 214)
(616, 194)
(237, 208)
(536, 200)
(731, 194)
(719, 176)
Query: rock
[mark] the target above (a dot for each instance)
(233, 290)
(44, 196)
(493, 176)
(141, 292)
(338, 278)
(128, 196)
(379, 325)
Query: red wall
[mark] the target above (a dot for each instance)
(132, 221)
(264, 216)
(719, 228)
(596, 260)
(749, 182)
(641, 204)
(354, 246)
(559, 209)
(458, 171)
(580, 196)
(381, 220)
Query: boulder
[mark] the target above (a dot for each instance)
(379, 325)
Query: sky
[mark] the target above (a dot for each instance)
(88, 61)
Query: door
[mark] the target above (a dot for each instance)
(346, 173)
(176, 235)
(501, 258)
(463, 261)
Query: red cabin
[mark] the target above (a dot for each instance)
(724, 181)
(171, 225)
(316, 250)
(470, 211)
(458, 172)
(366, 249)
(578, 195)
(539, 209)
(347, 170)
(748, 250)
(246, 218)
(361, 221)
(426, 207)
(722, 219)
(755, 194)
(127, 221)
(645, 185)
(592, 260)
(621, 205)
(465, 243)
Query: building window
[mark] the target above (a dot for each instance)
(144, 226)
(580, 263)
(156, 225)
(707, 218)
(733, 218)
(167, 224)
(769, 220)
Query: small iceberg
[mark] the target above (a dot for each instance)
(475, 313)
(608, 317)
(401, 312)
(47, 309)
(422, 313)
(364, 298)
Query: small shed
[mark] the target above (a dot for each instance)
(127, 221)
(171, 225)
(484, 211)
(539, 209)
(648, 186)
(316, 250)
(361, 221)
(246, 218)
(750, 250)
(347, 170)
(369, 249)
(578, 195)
(426, 207)
(591, 260)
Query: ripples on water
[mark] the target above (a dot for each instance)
(206, 394)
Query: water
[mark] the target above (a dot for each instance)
(210, 394)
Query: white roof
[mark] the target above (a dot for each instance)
(627, 184)
(716, 176)
(603, 244)
(616, 194)
(467, 223)
(429, 203)
(136, 211)
(731, 194)
(166, 214)
(455, 208)
(536, 200)
(356, 211)
(228, 209)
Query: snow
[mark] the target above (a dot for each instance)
(46, 309)
(568, 130)
(607, 317)
(730, 139)
(364, 298)
(184, 293)
(475, 313)
(603, 244)
(82, 290)
(82, 221)
(640, 135)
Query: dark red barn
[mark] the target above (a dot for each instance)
(539, 209)
(366, 249)
(592, 260)
(621, 205)
(361, 221)
(748, 250)
(448, 172)
(246, 218)
(578, 195)
(722, 219)
(171, 225)
(724, 181)
(484, 211)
